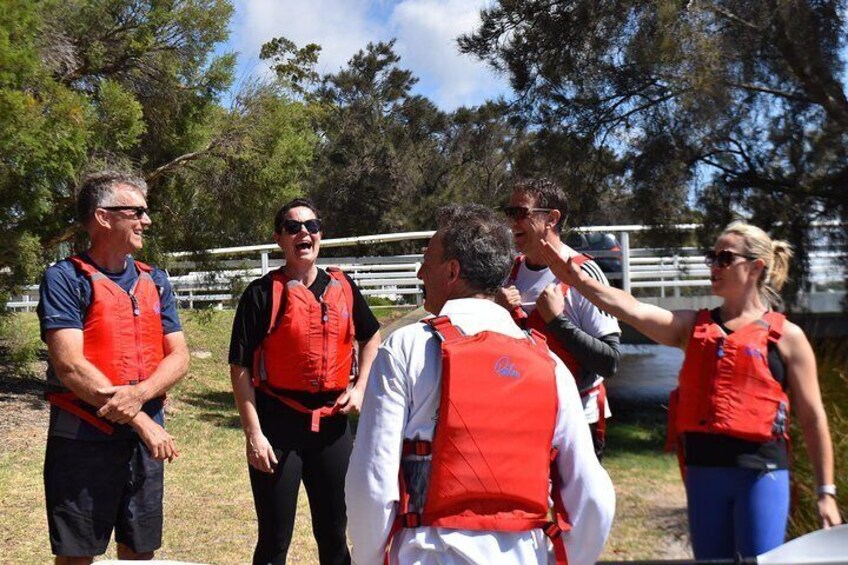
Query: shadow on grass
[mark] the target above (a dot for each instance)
(215, 407)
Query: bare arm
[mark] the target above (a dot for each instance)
(125, 401)
(65, 348)
(260, 454)
(351, 400)
(661, 325)
(803, 382)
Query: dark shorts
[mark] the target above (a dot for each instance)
(93, 487)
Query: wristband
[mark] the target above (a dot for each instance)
(826, 489)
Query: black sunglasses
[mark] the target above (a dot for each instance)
(138, 211)
(723, 259)
(292, 227)
(518, 213)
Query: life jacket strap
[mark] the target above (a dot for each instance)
(315, 415)
(410, 520)
(561, 522)
(419, 447)
(444, 328)
(601, 426)
(69, 402)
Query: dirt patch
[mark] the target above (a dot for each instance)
(23, 410)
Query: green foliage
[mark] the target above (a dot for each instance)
(742, 103)
(120, 119)
(833, 380)
(19, 344)
(260, 158)
(294, 67)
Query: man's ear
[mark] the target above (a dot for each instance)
(101, 218)
(454, 271)
(554, 217)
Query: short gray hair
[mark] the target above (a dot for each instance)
(97, 188)
(480, 241)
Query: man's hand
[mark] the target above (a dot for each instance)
(160, 443)
(551, 302)
(350, 401)
(123, 404)
(509, 297)
(260, 454)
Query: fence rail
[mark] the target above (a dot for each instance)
(655, 272)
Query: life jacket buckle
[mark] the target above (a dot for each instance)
(411, 520)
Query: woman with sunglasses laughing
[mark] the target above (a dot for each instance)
(291, 359)
(728, 417)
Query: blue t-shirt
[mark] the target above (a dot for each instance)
(65, 297)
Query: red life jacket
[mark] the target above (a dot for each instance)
(122, 333)
(725, 385)
(492, 457)
(534, 321)
(309, 342)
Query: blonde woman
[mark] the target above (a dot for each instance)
(729, 414)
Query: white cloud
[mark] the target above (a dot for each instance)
(426, 32)
(340, 27)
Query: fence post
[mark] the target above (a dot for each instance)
(624, 238)
(677, 275)
(419, 298)
(264, 262)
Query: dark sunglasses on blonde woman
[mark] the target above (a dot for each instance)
(723, 259)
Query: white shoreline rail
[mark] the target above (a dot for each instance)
(672, 272)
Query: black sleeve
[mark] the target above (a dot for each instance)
(251, 322)
(598, 355)
(364, 322)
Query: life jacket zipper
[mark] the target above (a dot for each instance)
(712, 393)
(324, 319)
(137, 324)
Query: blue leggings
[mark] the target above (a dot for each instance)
(736, 510)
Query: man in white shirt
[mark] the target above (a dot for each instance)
(584, 337)
(464, 265)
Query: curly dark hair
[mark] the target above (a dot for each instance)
(547, 194)
(479, 240)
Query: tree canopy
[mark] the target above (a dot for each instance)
(654, 112)
(741, 103)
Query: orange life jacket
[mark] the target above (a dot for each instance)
(492, 457)
(122, 333)
(309, 342)
(725, 385)
(534, 321)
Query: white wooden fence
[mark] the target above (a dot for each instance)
(654, 272)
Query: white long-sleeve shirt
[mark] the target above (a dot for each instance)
(401, 401)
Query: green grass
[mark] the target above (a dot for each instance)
(650, 521)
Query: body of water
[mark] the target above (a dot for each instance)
(646, 373)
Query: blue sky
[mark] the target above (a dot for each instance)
(426, 32)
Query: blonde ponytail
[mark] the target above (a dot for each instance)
(774, 253)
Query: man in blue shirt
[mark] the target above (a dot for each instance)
(110, 365)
